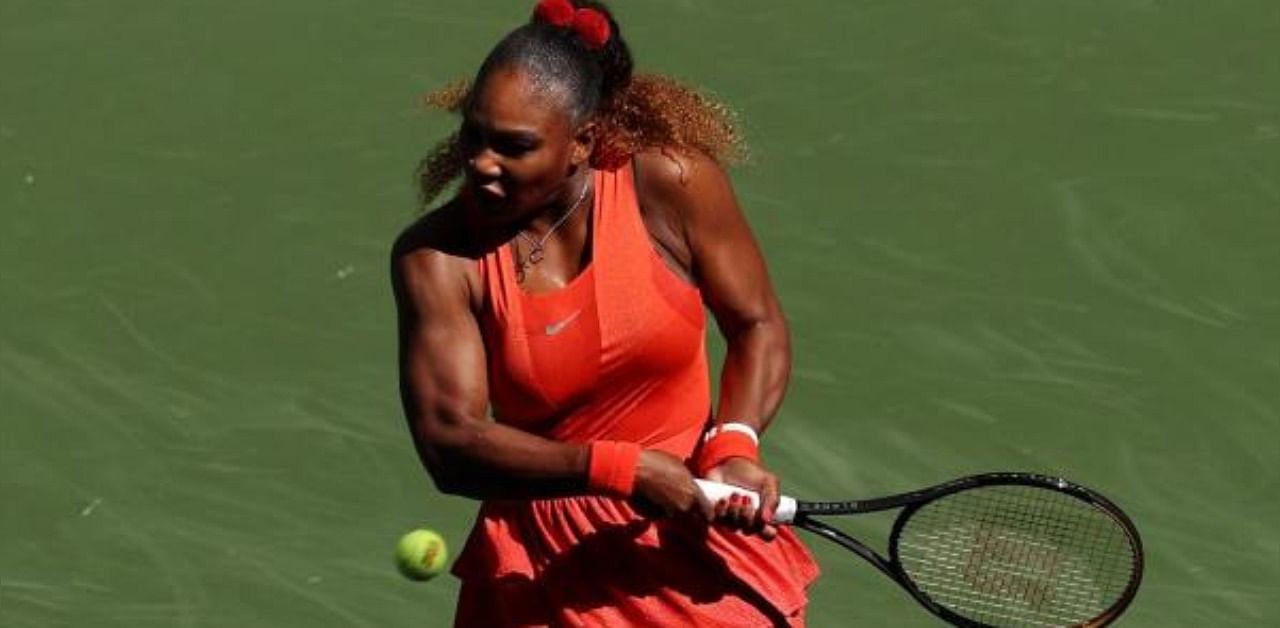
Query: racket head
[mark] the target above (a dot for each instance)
(1018, 549)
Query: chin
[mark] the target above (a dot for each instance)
(488, 201)
(497, 211)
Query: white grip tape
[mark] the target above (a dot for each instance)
(716, 491)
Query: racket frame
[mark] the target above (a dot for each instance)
(910, 502)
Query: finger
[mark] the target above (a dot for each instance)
(746, 513)
(769, 532)
(738, 517)
(769, 496)
(724, 510)
(729, 516)
(721, 508)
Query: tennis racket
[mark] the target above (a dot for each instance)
(997, 549)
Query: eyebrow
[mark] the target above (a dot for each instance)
(528, 137)
(517, 134)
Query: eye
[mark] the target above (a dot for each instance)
(514, 146)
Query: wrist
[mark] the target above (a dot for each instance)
(611, 467)
(733, 426)
(725, 441)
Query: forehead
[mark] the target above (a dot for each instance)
(511, 98)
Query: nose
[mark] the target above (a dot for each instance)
(485, 165)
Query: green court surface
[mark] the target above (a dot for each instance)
(1009, 234)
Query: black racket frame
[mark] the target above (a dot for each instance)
(912, 501)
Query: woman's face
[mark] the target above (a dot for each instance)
(519, 145)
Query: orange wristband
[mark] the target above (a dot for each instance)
(611, 469)
(723, 446)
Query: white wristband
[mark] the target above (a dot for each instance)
(733, 426)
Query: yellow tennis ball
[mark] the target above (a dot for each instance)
(421, 554)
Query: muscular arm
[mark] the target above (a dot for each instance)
(444, 390)
(729, 268)
(723, 257)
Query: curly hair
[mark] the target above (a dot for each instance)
(632, 112)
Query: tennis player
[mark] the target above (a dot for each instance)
(562, 291)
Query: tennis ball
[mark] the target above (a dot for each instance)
(421, 554)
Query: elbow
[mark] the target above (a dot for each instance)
(447, 472)
(760, 318)
(769, 329)
(766, 338)
(443, 448)
(447, 483)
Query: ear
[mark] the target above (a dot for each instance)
(584, 142)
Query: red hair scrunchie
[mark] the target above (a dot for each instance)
(590, 25)
(554, 12)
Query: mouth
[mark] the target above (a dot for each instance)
(491, 191)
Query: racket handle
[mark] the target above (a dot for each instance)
(716, 491)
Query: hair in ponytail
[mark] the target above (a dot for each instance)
(632, 112)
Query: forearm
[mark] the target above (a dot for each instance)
(757, 368)
(483, 459)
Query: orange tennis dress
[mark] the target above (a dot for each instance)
(618, 354)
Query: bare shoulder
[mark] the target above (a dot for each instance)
(432, 262)
(688, 205)
(686, 188)
(677, 176)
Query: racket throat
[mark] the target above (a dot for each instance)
(839, 538)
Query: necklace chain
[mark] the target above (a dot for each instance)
(536, 254)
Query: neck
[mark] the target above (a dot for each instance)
(571, 199)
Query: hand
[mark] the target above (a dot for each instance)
(737, 513)
(664, 486)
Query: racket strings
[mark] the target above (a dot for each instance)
(1017, 556)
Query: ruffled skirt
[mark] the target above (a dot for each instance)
(595, 561)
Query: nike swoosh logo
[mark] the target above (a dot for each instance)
(557, 327)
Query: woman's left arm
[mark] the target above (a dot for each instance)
(727, 264)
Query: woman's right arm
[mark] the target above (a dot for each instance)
(444, 389)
